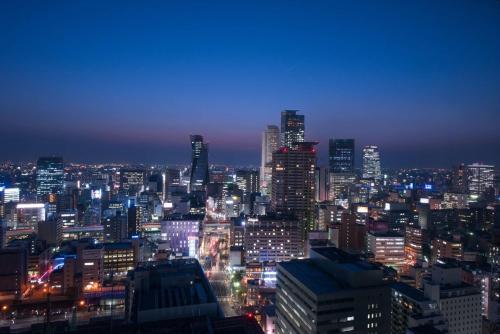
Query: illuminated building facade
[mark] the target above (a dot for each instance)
(199, 166)
(292, 128)
(270, 143)
(294, 182)
(387, 248)
(49, 176)
(371, 163)
(131, 180)
(413, 245)
(481, 178)
(269, 238)
(118, 259)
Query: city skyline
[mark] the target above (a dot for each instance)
(100, 83)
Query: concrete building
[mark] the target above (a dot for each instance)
(273, 238)
(332, 292)
(182, 236)
(270, 143)
(293, 182)
(410, 309)
(460, 303)
(387, 248)
(169, 290)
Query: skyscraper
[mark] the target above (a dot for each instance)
(293, 181)
(371, 163)
(341, 160)
(341, 155)
(270, 143)
(292, 128)
(481, 178)
(49, 176)
(199, 167)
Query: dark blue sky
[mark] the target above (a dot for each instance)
(129, 81)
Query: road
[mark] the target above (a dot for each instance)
(82, 317)
(220, 285)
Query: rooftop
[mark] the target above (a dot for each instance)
(311, 276)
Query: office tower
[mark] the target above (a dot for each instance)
(270, 143)
(321, 184)
(11, 195)
(92, 267)
(481, 178)
(181, 236)
(273, 238)
(132, 180)
(199, 167)
(460, 179)
(413, 245)
(293, 182)
(387, 248)
(292, 128)
(332, 292)
(459, 302)
(50, 231)
(352, 235)
(371, 163)
(446, 248)
(410, 309)
(341, 155)
(49, 176)
(248, 181)
(180, 290)
(13, 272)
(118, 259)
(29, 214)
(115, 228)
(342, 173)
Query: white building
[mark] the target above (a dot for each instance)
(371, 163)
(387, 248)
(481, 177)
(270, 143)
(460, 303)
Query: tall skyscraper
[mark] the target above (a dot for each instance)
(270, 143)
(341, 155)
(49, 176)
(371, 163)
(481, 178)
(199, 167)
(294, 182)
(342, 174)
(292, 128)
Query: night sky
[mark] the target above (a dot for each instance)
(129, 81)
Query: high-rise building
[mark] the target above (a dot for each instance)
(446, 248)
(292, 128)
(270, 143)
(460, 179)
(410, 309)
(341, 155)
(387, 248)
(199, 167)
(352, 235)
(49, 176)
(481, 178)
(332, 292)
(11, 195)
(459, 302)
(413, 245)
(371, 163)
(342, 173)
(293, 182)
(132, 180)
(269, 238)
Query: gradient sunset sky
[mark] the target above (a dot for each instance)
(99, 81)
